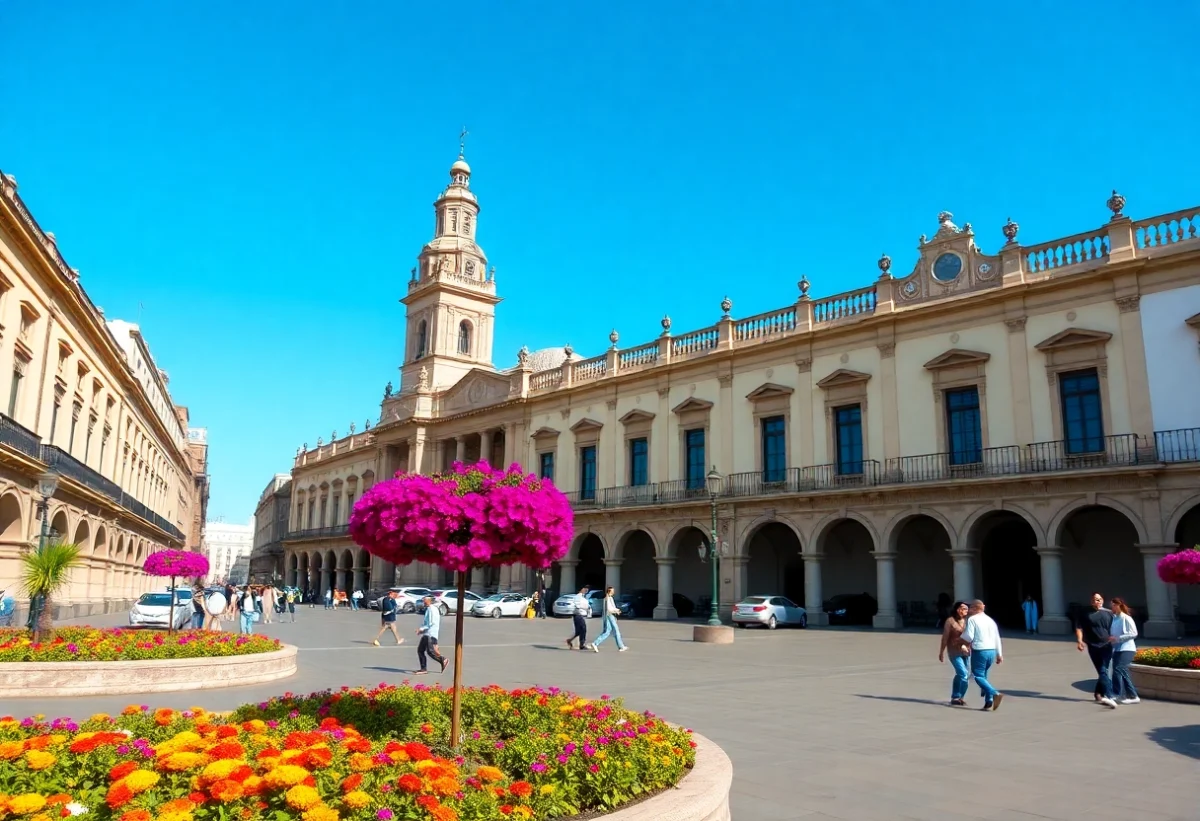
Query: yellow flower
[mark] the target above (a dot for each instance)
(301, 797)
(563, 737)
(548, 789)
(99, 717)
(139, 781)
(504, 705)
(41, 816)
(179, 762)
(39, 760)
(26, 804)
(58, 738)
(292, 755)
(321, 814)
(426, 765)
(522, 811)
(218, 770)
(175, 815)
(567, 708)
(581, 702)
(285, 775)
(666, 760)
(601, 755)
(486, 773)
(356, 800)
(10, 749)
(258, 725)
(360, 762)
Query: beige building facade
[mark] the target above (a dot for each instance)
(76, 402)
(985, 425)
(272, 516)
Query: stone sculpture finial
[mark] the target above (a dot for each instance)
(320, 441)
(1010, 230)
(726, 306)
(367, 425)
(523, 357)
(666, 324)
(1115, 203)
(423, 378)
(613, 337)
(387, 390)
(568, 350)
(885, 265)
(351, 428)
(333, 436)
(803, 285)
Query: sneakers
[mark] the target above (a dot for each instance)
(445, 662)
(1108, 702)
(622, 649)
(957, 702)
(376, 642)
(996, 701)
(593, 648)
(1134, 700)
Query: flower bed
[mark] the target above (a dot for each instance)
(360, 755)
(117, 644)
(1177, 658)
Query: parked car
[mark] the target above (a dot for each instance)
(407, 598)
(154, 610)
(446, 600)
(852, 608)
(501, 604)
(769, 612)
(625, 602)
(565, 605)
(643, 602)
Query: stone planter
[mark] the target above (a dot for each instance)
(702, 795)
(1166, 684)
(48, 679)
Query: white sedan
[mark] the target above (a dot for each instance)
(447, 601)
(154, 610)
(501, 604)
(565, 605)
(768, 612)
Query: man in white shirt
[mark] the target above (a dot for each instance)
(984, 637)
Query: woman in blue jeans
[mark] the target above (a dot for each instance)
(959, 652)
(1124, 631)
(610, 623)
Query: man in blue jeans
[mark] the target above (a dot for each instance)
(984, 637)
(1092, 630)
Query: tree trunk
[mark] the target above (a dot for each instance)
(456, 696)
(45, 622)
(171, 618)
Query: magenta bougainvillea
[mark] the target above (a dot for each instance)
(176, 563)
(474, 515)
(1180, 568)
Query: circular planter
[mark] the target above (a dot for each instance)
(702, 794)
(1166, 684)
(54, 679)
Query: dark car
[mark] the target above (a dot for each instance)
(626, 602)
(643, 602)
(851, 608)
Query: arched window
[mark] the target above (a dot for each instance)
(422, 335)
(464, 338)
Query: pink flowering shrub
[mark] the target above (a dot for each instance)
(176, 563)
(1180, 568)
(474, 515)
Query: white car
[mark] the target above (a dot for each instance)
(407, 598)
(154, 610)
(446, 600)
(768, 612)
(565, 605)
(501, 604)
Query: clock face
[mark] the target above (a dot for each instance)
(947, 267)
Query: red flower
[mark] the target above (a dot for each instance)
(410, 783)
(227, 731)
(417, 751)
(330, 723)
(352, 783)
(197, 797)
(521, 789)
(121, 770)
(227, 749)
(118, 795)
(506, 809)
(427, 801)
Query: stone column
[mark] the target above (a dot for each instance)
(814, 602)
(439, 456)
(885, 583)
(1160, 621)
(666, 589)
(478, 579)
(485, 447)
(460, 449)
(964, 574)
(740, 565)
(1054, 621)
(612, 574)
(566, 579)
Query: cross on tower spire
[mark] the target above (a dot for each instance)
(462, 142)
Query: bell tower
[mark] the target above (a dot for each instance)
(451, 300)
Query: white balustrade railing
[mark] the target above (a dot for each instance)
(694, 342)
(1169, 229)
(545, 380)
(844, 306)
(588, 369)
(772, 323)
(1062, 253)
(637, 357)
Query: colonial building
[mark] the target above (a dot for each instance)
(197, 454)
(85, 401)
(270, 526)
(996, 422)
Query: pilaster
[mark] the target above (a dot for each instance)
(885, 584)
(814, 602)
(665, 608)
(1054, 621)
(1160, 621)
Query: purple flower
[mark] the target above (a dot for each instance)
(562, 759)
(123, 749)
(569, 748)
(537, 767)
(589, 750)
(475, 735)
(385, 814)
(499, 745)
(595, 768)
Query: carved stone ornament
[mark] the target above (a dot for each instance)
(352, 428)
(423, 378)
(1015, 325)
(1128, 304)
(946, 226)
(804, 365)
(333, 436)
(803, 285)
(726, 306)
(613, 337)
(446, 265)
(367, 425)
(887, 350)
(523, 357)
(568, 350)
(885, 265)
(611, 404)
(1115, 203)
(320, 441)
(666, 324)
(1010, 230)
(305, 446)
(299, 451)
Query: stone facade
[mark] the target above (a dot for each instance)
(85, 399)
(271, 518)
(982, 426)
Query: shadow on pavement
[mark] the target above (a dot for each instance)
(1036, 694)
(1184, 740)
(931, 702)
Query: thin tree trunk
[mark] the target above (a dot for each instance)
(171, 623)
(45, 622)
(456, 696)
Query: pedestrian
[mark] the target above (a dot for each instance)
(535, 603)
(245, 606)
(355, 599)
(610, 611)
(983, 635)
(1029, 606)
(428, 631)
(1124, 631)
(198, 612)
(329, 598)
(268, 601)
(582, 608)
(1093, 629)
(542, 591)
(387, 616)
(959, 652)
(292, 595)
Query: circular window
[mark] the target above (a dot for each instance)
(947, 267)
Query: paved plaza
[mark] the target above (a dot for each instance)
(820, 724)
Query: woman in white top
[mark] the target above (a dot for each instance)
(1123, 632)
(611, 611)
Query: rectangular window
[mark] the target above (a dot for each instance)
(639, 462)
(1083, 422)
(693, 445)
(964, 429)
(546, 465)
(774, 449)
(336, 510)
(324, 505)
(87, 445)
(312, 506)
(103, 443)
(848, 431)
(13, 393)
(54, 421)
(587, 472)
(349, 505)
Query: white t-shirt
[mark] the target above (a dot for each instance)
(982, 633)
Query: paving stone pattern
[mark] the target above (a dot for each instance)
(820, 724)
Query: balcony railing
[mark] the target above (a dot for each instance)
(1122, 450)
(72, 468)
(331, 532)
(20, 438)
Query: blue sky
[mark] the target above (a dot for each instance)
(259, 176)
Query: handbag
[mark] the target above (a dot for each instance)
(255, 616)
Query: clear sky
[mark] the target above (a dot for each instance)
(252, 181)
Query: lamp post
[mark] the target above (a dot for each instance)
(47, 484)
(713, 480)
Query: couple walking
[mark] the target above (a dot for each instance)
(971, 640)
(1107, 634)
(583, 609)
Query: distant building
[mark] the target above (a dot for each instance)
(197, 456)
(270, 526)
(240, 572)
(223, 544)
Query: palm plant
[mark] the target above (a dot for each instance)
(43, 574)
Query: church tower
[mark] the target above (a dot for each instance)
(451, 300)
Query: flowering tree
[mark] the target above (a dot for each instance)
(176, 563)
(473, 516)
(1180, 568)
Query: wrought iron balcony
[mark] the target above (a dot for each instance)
(1181, 445)
(940, 467)
(19, 438)
(1084, 452)
(332, 532)
(66, 464)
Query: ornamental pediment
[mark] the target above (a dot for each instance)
(692, 404)
(842, 377)
(478, 388)
(544, 433)
(636, 415)
(769, 390)
(956, 357)
(1072, 338)
(586, 424)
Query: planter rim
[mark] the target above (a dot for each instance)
(195, 661)
(701, 795)
(1151, 668)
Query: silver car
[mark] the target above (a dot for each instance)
(154, 610)
(565, 605)
(501, 604)
(769, 612)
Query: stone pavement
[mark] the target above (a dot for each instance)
(820, 724)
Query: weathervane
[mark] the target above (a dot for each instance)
(462, 142)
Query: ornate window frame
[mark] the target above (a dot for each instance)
(637, 424)
(843, 388)
(1076, 349)
(693, 414)
(959, 368)
(768, 401)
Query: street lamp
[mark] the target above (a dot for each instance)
(713, 480)
(47, 484)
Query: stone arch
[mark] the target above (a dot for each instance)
(674, 537)
(588, 550)
(1065, 512)
(83, 537)
(847, 543)
(120, 548)
(12, 519)
(618, 544)
(101, 541)
(920, 541)
(817, 541)
(741, 548)
(1099, 551)
(965, 534)
(891, 530)
(772, 552)
(465, 338)
(60, 522)
(1171, 532)
(638, 551)
(580, 538)
(692, 577)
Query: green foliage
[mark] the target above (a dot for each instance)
(44, 572)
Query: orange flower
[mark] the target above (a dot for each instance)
(361, 763)
(302, 797)
(10, 750)
(252, 785)
(410, 783)
(118, 795)
(121, 770)
(164, 716)
(506, 809)
(226, 749)
(59, 798)
(443, 813)
(357, 745)
(226, 790)
(177, 805)
(321, 814)
(136, 815)
(330, 723)
(445, 785)
(486, 773)
(417, 751)
(428, 802)
(521, 789)
(351, 783)
(227, 731)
